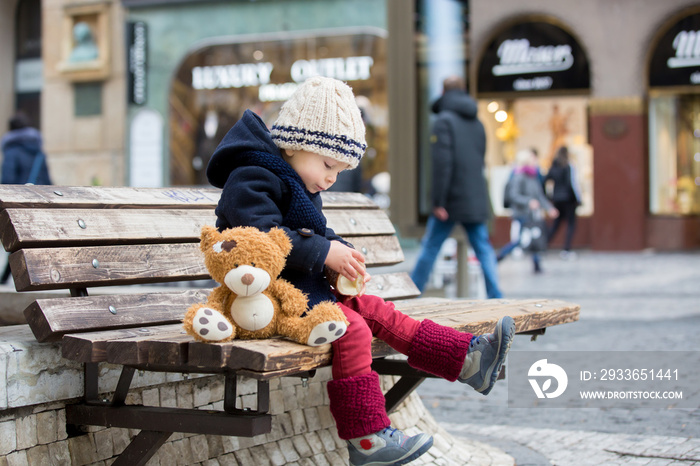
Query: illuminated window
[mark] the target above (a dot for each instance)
(674, 151)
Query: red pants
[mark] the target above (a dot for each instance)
(369, 316)
(356, 399)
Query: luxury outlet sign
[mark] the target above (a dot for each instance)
(259, 75)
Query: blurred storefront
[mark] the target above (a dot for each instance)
(234, 56)
(162, 81)
(674, 131)
(566, 73)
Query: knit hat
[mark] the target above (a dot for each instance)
(322, 117)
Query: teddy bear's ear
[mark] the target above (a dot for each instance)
(280, 237)
(209, 236)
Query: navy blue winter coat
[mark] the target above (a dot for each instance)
(20, 148)
(458, 145)
(260, 189)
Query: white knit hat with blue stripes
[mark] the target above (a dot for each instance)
(322, 117)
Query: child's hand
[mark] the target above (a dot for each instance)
(346, 261)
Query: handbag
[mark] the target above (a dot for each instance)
(533, 232)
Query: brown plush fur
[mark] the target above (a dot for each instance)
(266, 251)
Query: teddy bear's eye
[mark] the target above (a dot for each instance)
(252, 264)
(235, 265)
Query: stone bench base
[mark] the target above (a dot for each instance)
(38, 383)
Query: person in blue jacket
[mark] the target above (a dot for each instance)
(274, 179)
(23, 160)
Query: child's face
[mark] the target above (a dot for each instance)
(318, 172)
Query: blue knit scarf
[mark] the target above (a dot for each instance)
(301, 213)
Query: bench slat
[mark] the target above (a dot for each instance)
(378, 250)
(104, 197)
(92, 346)
(392, 286)
(62, 227)
(135, 350)
(51, 318)
(80, 267)
(72, 227)
(529, 314)
(354, 222)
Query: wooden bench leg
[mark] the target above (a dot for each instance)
(400, 391)
(410, 380)
(142, 448)
(158, 423)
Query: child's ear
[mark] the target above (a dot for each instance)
(289, 152)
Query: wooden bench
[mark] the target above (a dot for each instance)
(75, 238)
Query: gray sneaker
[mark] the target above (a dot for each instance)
(486, 355)
(388, 446)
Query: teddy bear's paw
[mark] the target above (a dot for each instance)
(211, 325)
(326, 332)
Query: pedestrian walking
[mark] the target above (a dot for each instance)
(459, 190)
(529, 204)
(566, 198)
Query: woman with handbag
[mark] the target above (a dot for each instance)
(529, 205)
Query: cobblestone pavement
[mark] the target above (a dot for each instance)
(633, 302)
(579, 447)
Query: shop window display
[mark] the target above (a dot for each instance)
(674, 151)
(542, 124)
(216, 83)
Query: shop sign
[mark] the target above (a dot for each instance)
(137, 59)
(676, 58)
(258, 75)
(533, 57)
(29, 75)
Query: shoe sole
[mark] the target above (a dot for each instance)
(505, 328)
(411, 455)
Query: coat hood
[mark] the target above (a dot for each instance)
(28, 138)
(248, 134)
(456, 101)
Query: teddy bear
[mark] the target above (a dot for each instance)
(251, 300)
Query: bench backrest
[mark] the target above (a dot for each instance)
(75, 238)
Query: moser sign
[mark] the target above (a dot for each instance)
(676, 58)
(533, 56)
(517, 56)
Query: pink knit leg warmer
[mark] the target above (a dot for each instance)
(439, 350)
(358, 406)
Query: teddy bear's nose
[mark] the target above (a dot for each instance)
(247, 279)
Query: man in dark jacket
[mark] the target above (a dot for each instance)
(459, 191)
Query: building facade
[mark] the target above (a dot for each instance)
(549, 73)
(139, 92)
